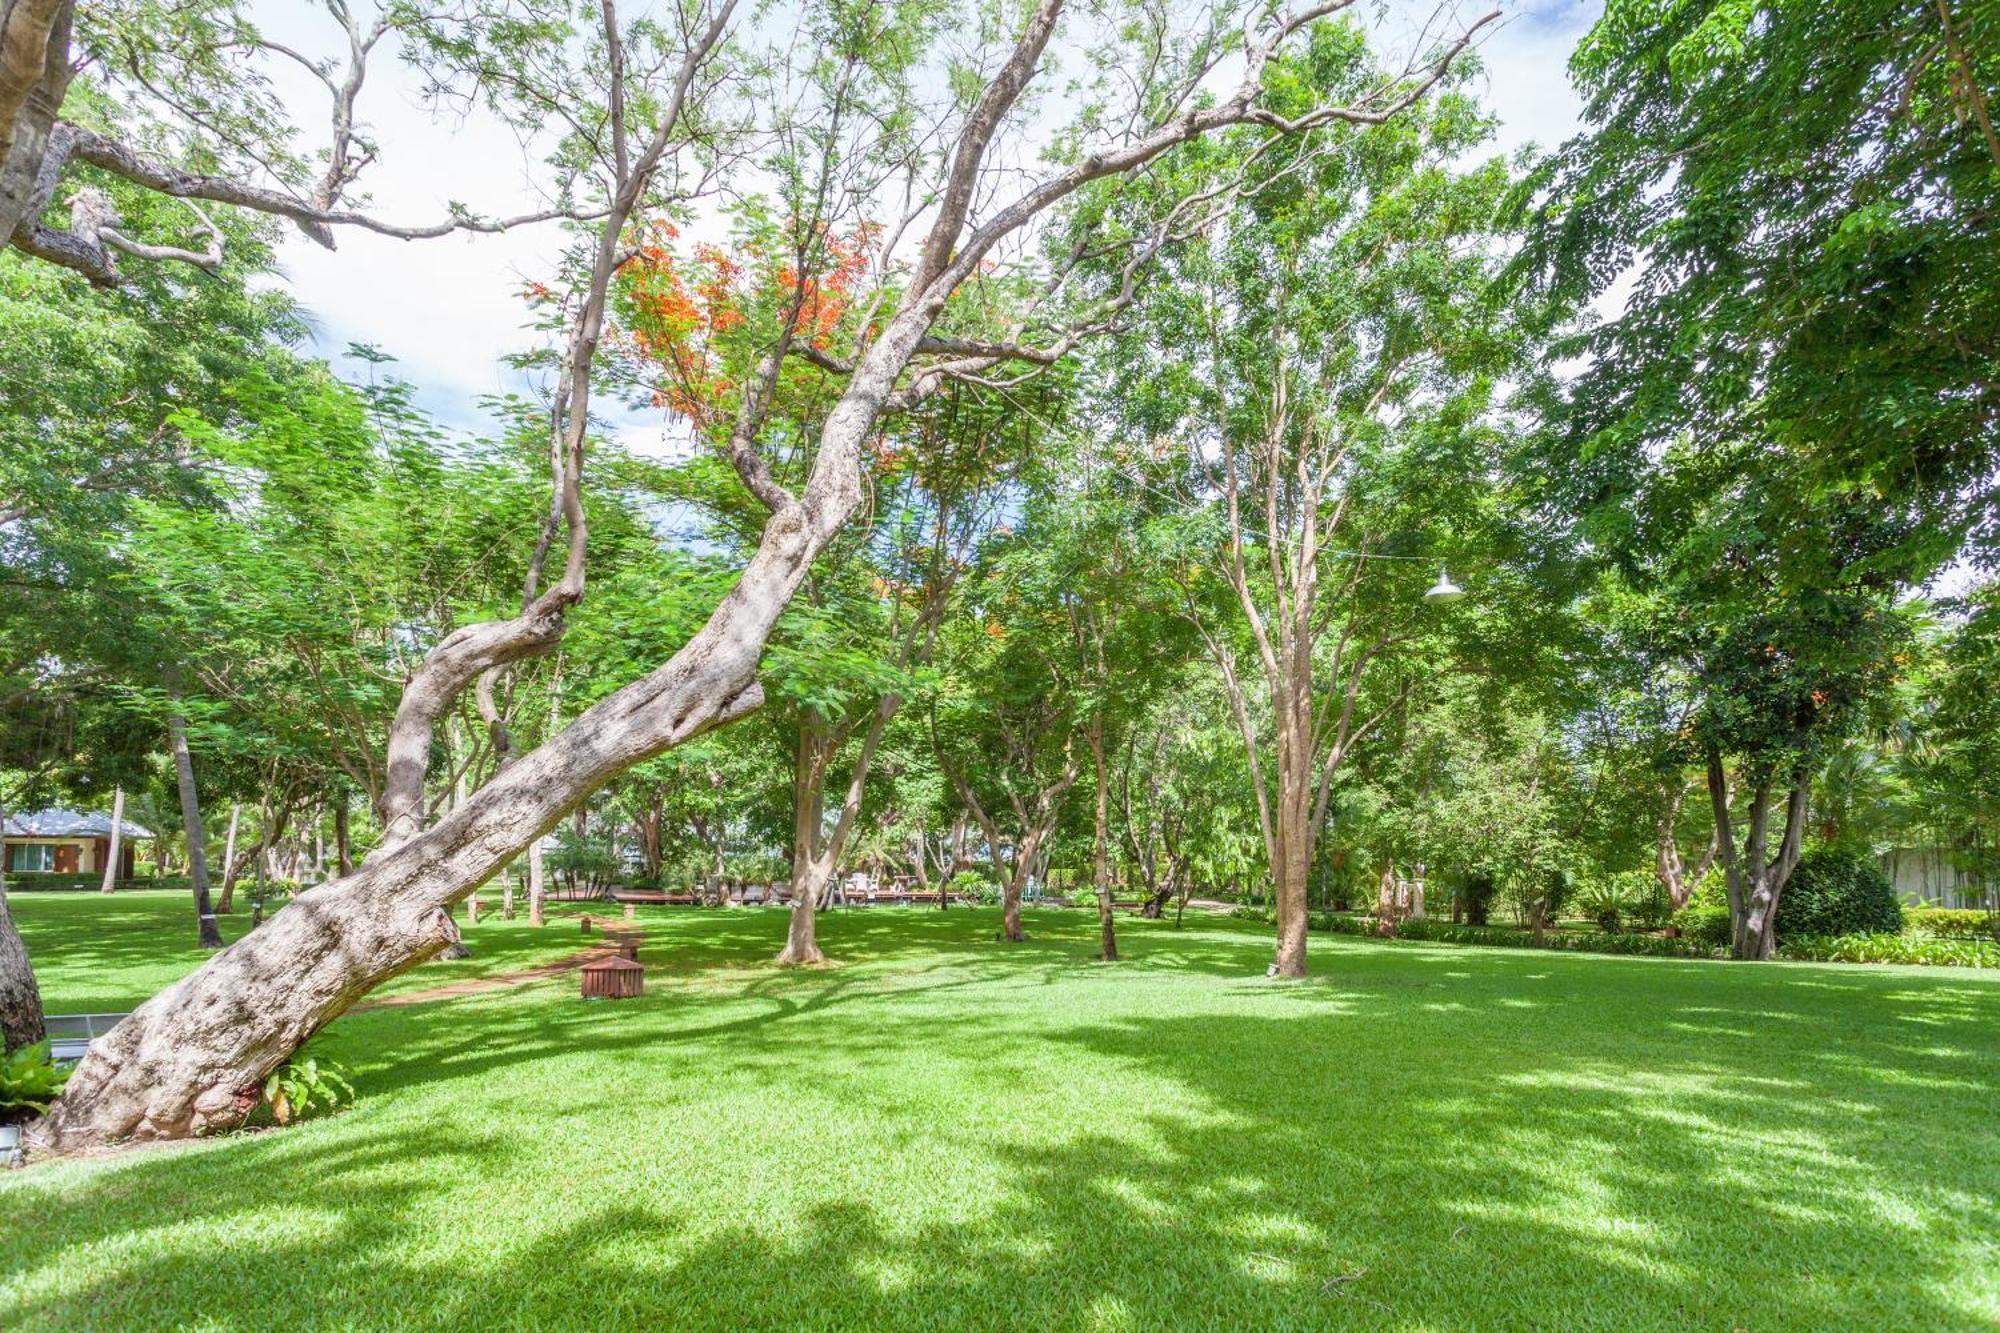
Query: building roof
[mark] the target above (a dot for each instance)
(70, 824)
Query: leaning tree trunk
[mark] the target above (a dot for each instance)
(186, 1061)
(210, 937)
(193, 1057)
(110, 880)
(20, 997)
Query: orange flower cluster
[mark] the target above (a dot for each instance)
(682, 308)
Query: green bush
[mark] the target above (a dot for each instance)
(1620, 898)
(1706, 924)
(1838, 891)
(305, 1087)
(1885, 947)
(29, 1081)
(974, 884)
(1477, 894)
(1952, 923)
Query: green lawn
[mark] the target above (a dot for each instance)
(951, 1132)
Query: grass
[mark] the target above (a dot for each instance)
(949, 1132)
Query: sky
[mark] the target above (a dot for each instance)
(450, 309)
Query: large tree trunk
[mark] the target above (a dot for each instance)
(34, 76)
(1753, 880)
(20, 997)
(1010, 904)
(211, 938)
(110, 879)
(1289, 869)
(809, 881)
(811, 868)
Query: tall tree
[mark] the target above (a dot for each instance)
(172, 1068)
(1332, 378)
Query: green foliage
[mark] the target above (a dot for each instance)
(29, 1081)
(305, 1086)
(1612, 899)
(1888, 947)
(1946, 923)
(1477, 893)
(1838, 891)
(1705, 916)
(974, 884)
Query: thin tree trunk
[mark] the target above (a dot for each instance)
(343, 843)
(110, 880)
(226, 902)
(537, 883)
(209, 935)
(811, 868)
(263, 877)
(1100, 866)
(1385, 902)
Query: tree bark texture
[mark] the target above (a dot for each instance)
(20, 996)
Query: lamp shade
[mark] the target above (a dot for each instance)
(1444, 590)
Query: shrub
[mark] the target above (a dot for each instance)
(1952, 923)
(1885, 947)
(1706, 924)
(1477, 893)
(1838, 891)
(1621, 897)
(298, 1089)
(29, 1081)
(974, 884)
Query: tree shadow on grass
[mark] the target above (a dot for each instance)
(1397, 1145)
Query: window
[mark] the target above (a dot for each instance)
(31, 857)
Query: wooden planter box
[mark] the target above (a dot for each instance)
(613, 979)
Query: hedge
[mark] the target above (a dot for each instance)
(1952, 923)
(1864, 947)
(43, 882)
